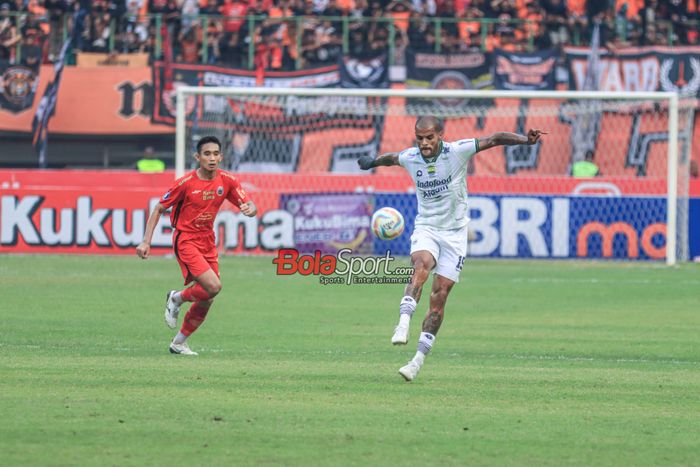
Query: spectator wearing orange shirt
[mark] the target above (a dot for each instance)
(470, 31)
(190, 47)
(234, 11)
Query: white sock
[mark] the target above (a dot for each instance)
(406, 309)
(177, 298)
(180, 338)
(425, 343)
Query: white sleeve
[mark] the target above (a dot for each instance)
(466, 148)
(404, 156)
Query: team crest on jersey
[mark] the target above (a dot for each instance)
(220, 190)
(431, 170)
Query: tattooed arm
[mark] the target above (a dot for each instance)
(387, 159)
(503, 138)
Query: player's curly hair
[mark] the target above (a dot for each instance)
(206, 140)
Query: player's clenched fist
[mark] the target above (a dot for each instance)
(365, 162)
(143, 250)
(249, 209)
(534, 136)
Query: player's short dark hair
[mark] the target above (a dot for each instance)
(207, 140)
(427, 122)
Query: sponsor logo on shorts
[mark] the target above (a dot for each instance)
(166, 196)
(460, 263)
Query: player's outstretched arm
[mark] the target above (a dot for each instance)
(387, 159)
(503, 138)
(144, 248)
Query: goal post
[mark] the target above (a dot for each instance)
(640, 140)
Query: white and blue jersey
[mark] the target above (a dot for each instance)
(441, 184)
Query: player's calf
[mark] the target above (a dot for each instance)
(193, 319)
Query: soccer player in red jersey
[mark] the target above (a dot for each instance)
(196, 199)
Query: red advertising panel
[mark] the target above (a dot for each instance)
(106, 211)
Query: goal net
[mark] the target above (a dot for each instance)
(524, 200)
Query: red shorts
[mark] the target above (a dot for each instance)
(196, 254)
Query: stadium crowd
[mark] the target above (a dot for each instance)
(287, 34)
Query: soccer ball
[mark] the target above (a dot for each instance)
(387, 223)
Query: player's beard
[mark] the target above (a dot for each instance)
(430, 152)
(433, 152)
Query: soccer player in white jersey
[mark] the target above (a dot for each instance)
(439, 239)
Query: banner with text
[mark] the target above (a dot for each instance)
(208, 75)
(91, 101)
(516, 71)
(470, 70)
(675, 69)
(77, 212)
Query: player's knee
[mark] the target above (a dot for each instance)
(213, 289)
(420, 271)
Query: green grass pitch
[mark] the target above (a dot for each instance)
(537, 363)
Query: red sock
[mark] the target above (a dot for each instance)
(196, 293)
(194, 318)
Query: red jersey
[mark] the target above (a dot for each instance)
(196, 202)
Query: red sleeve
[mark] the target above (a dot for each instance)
(236, 194)
(176, 192)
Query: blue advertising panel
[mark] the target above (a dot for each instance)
(694, 228)
(551, 226)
